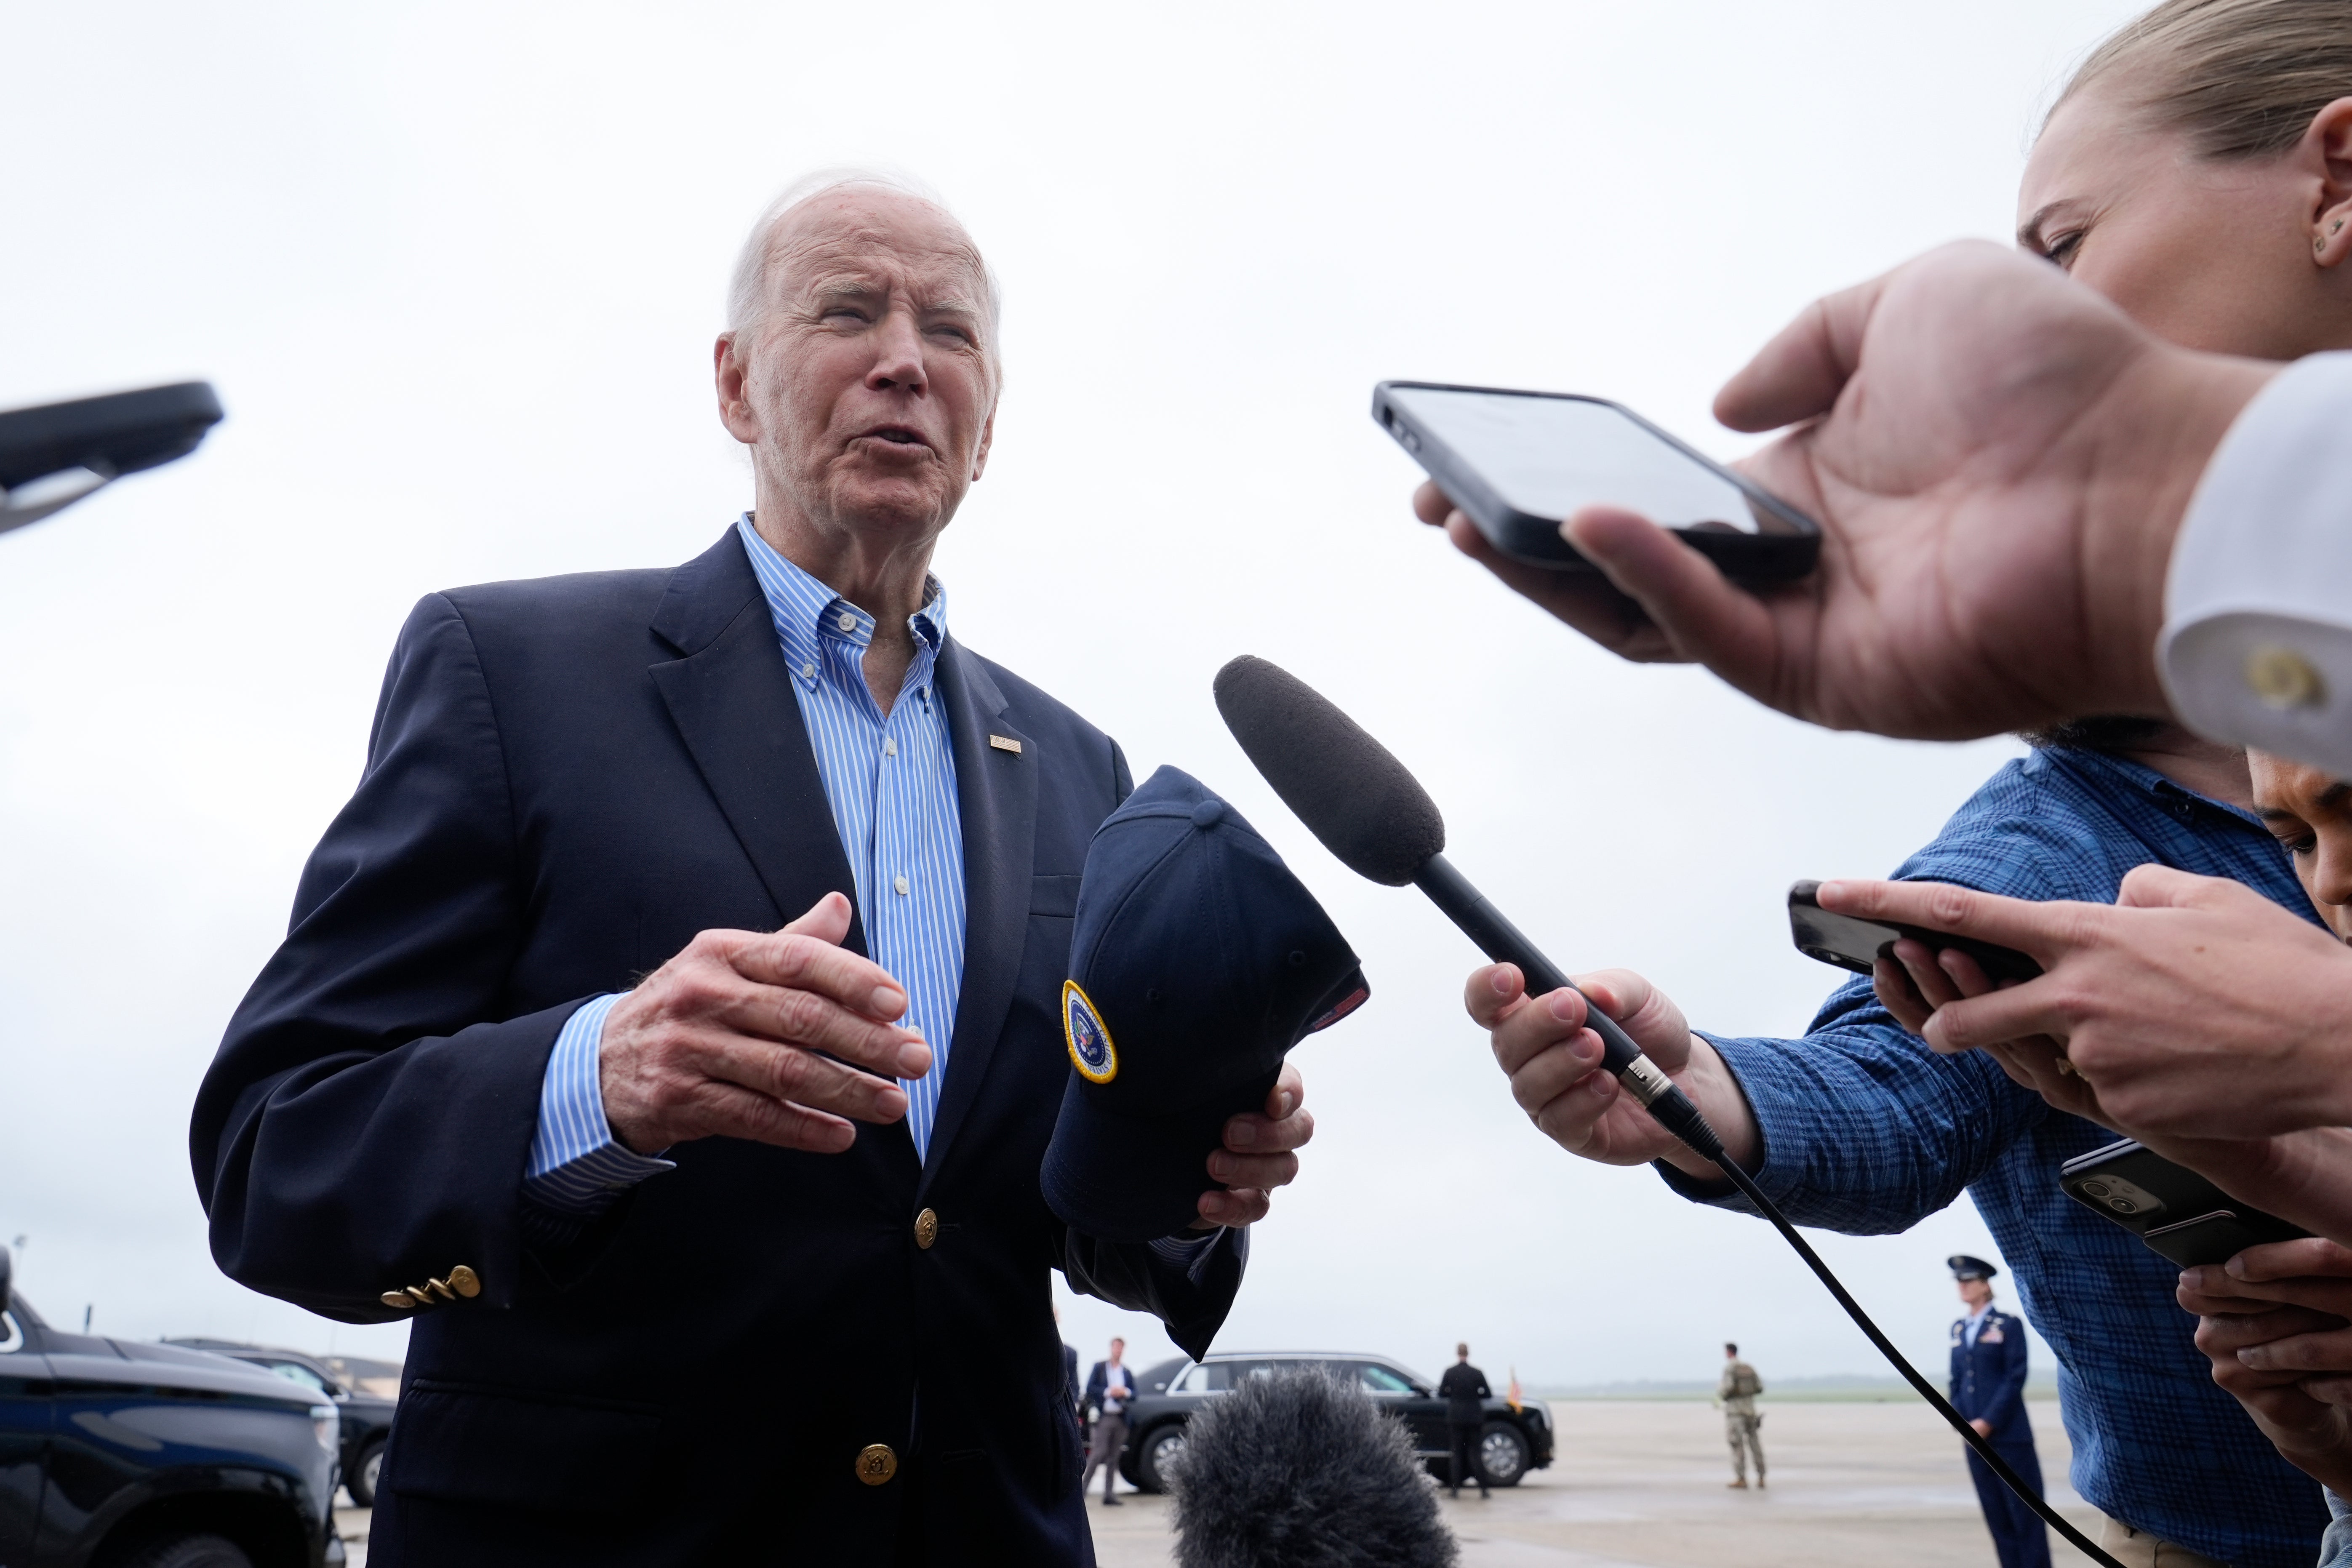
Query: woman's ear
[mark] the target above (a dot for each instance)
(2328, 146)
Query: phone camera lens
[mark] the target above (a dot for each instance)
(2122, 1205)
(2096, 1189)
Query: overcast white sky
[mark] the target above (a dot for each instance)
(456, 271)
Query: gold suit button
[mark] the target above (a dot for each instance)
(464, 1282)
(877, 1462)
(396, 1298)
(2284, 678)
(927, 1231)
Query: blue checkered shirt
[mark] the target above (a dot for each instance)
(1867, 1132)
(891, 782)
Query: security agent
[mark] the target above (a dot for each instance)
(1464, 1387)
(536, 1070)
(1988, 1388)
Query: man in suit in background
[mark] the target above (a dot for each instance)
(1989, 1390)
(1463, 1387)
(1111, 1387)
(536, 1067)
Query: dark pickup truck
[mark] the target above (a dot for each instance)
(1513, 1442)
(120, 1455)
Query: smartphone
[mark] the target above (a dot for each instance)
(2170, 1208)
(1857, 945)
(1521, 463)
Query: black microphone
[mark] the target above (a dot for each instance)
(1372, 814)
(1368, 810)
(1299, 1470)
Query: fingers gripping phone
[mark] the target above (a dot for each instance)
(2173, 1210)
(1852, 942)
(1522, 463)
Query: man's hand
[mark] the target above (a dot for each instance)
(1553, 1062)
(2272, 1322)
(2193, 1007)
(2000, 460)
(1258, 1156)
(772, 1036)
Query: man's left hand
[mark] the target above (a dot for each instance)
(1258, 1156)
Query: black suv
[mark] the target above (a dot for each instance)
(367, 1417)
(1512, 1443)
(118, 1455)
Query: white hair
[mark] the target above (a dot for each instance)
(747, 289)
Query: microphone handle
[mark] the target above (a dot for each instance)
(1503, 942)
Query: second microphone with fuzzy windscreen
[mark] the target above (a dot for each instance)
(1370, 812)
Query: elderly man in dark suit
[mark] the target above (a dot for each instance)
(537, 1068)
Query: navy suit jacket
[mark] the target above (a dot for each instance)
(1989, 1377)
(1098, 1386)
(568, 779)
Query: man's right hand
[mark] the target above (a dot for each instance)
(1553, 1062)
(761, 1036)
(2000, 460)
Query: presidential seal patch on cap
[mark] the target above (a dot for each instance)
(1091, 1051)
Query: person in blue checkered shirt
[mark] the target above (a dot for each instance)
(1858, 1127)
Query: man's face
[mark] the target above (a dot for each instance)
(2310, 812)
(1118, 1350)
(867, 389)
(1976, 1292)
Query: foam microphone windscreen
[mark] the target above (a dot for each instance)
(1300, 1470)
(1342, 783)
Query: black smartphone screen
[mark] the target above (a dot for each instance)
(1520, 463)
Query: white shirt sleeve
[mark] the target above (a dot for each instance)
(2257, 643)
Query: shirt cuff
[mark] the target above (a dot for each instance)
(577, 1167)
(2257, 643)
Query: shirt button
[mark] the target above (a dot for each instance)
(899, 883)
(847, 622)
(809, 670)
(2284, 678)
(890, 745)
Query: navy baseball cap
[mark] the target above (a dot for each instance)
(1196, 963)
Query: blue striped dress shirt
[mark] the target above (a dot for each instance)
(891, 782)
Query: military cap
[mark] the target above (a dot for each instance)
(1963, 1267)
(1196, 961)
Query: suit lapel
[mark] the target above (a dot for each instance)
(732, 701)
(996, 793)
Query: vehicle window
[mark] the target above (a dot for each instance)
(295, 1372)
(12, 1338)
(1203, 1380)
(1381, 1379)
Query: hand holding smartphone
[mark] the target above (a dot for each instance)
(1857, 945)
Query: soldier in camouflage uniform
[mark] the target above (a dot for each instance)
(1736, 1393)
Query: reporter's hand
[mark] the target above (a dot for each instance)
(1259, 1155)
(1553, 1062)
(1920, 979)
(2000, 460)
(2281, 1362)
(2194, 1008)
(776, 1036)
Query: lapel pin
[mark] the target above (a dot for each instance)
(1005, 744)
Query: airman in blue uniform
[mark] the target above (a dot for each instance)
(1989, 1390)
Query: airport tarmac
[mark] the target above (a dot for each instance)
(1640, 1484)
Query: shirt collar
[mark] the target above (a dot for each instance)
(806, 612)
(2142, 777)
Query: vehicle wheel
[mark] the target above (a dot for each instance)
(1162, 1444)
(1502, 1454)
(194, 1552)
(362, 1481)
